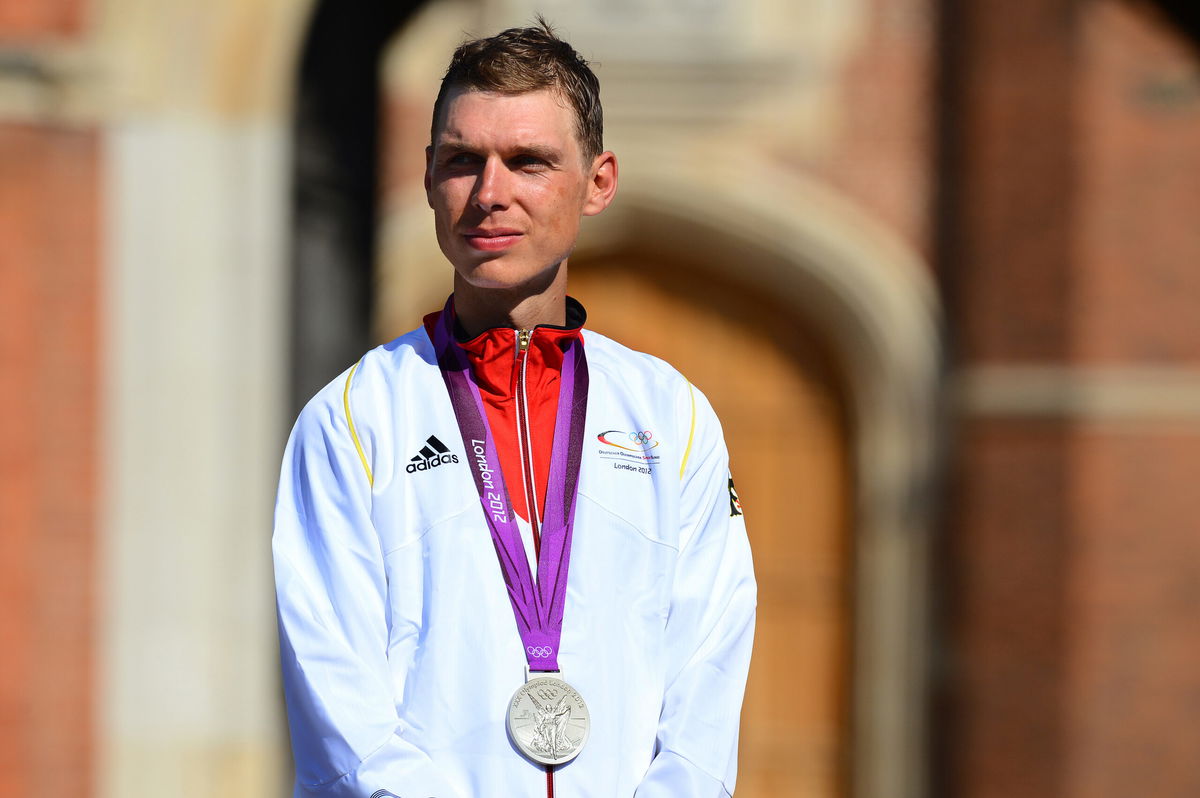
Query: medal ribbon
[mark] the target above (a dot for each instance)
(537, 605)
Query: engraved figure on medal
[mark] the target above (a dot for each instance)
(548, 721)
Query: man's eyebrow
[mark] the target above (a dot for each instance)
(543, 151)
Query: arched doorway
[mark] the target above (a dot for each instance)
(828, 273)
(785, 420)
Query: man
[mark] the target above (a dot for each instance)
(509, 559)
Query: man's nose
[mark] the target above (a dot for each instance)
(492, 188)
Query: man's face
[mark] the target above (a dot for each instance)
(507, 182)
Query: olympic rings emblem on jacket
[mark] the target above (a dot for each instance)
(636, 441)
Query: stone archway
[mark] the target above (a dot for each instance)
(871, 302)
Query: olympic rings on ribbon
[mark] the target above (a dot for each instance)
(641, 437)
(539, 652)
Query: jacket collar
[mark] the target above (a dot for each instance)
(493, 352)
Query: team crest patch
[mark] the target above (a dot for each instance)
(735, 504)
(630, 451)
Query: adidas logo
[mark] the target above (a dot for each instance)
(433, 454)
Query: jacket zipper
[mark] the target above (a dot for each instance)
(525, 443)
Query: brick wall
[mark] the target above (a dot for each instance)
(1072, 552)
(48, 322)
(43, 19)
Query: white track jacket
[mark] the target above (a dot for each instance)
(399, 648)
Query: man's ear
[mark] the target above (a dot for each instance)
(428, 174)
(602, 183)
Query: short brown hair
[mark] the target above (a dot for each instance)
(521, 60)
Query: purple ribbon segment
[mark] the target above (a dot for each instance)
(537, 604)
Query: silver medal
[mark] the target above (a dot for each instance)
(548, 720)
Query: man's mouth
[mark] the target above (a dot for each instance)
(492, 240)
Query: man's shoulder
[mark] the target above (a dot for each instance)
(624, 363)
(384, 369)
(643, 375)
(411, 350)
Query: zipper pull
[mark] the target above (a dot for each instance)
(523, 339)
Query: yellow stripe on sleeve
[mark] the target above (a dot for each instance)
(691, 432)
(350, 420)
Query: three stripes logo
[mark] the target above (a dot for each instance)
(433, 454)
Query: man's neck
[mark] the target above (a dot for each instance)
(480, 309)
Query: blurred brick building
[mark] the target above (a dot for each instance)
(935, 263)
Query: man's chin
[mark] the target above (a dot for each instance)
(494, 274)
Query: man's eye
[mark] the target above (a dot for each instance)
(529, 162)
(462, 159)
